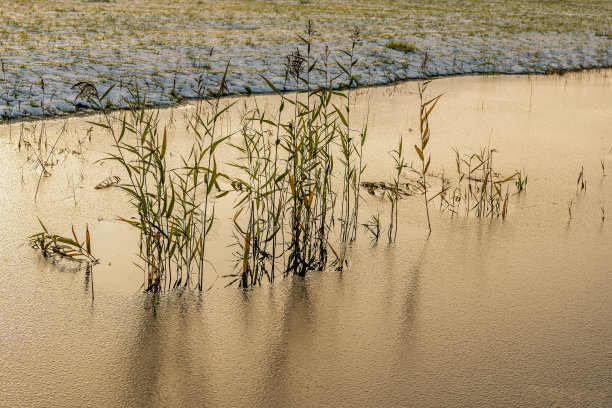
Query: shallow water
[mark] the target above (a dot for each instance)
(512, 312)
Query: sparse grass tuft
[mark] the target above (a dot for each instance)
(373, 226)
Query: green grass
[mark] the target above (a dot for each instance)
(401, 46)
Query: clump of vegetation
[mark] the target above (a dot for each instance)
(67, 248)
(404, 189)
(401, 46)
(285, 208)
(373, 226)
(286, 205)
(53, 244)
(174, 213)
(299, 180)
(484, 193)
(521, 181)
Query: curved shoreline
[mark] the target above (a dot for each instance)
(189, 100)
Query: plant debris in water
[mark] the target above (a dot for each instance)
(108, 182)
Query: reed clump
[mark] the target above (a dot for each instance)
(287, 200)
(174, 207)
(484, 191)
(72, 248)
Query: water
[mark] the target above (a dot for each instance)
(512, 312)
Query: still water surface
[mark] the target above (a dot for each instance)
(513, 312)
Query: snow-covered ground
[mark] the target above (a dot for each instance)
(168, 46)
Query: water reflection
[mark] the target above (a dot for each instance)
(145, 355)
(411, 296)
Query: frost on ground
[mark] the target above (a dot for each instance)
(171, 47)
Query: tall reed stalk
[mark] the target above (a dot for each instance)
(394, 195)
(426, 106)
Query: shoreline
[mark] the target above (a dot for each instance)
(189, 100)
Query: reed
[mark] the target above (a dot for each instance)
(260, 198)
(351, 153)
(174, 213)
(285, 209)
(373, 226)
(484, 194)
(394, 194)
(426, 107)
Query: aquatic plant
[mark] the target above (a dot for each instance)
(373, 226)
(260, 198)
(405, 189)
(172, 221)
(286, 204)
(68, 248)
(483, 195)
(426, 107)
(581, 183)
(353, 169)
(53, 244)
(521, 181)
(398, 158)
